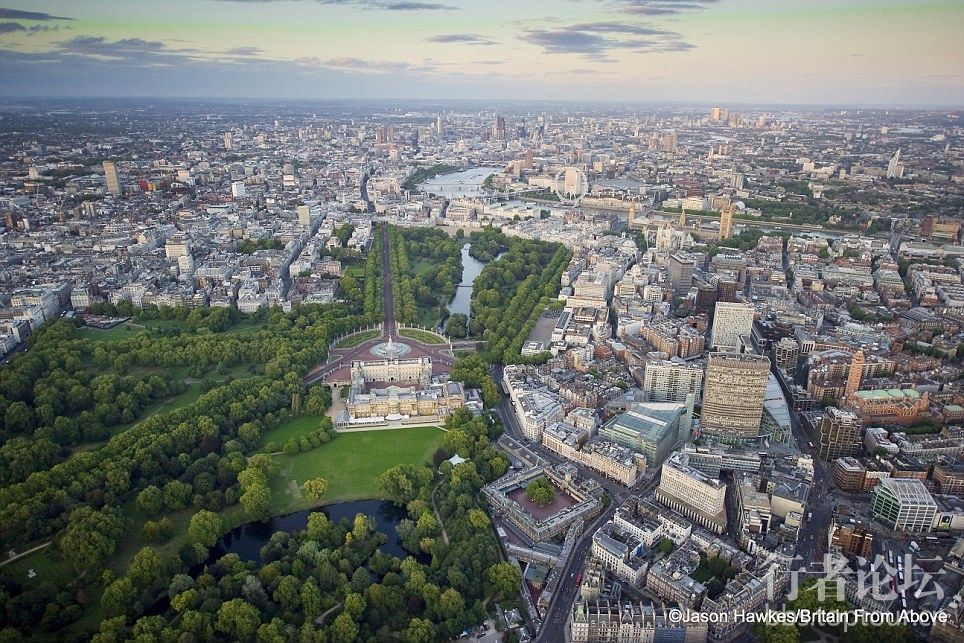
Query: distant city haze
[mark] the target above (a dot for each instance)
(846, 52)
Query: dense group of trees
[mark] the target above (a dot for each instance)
(511, 293)
(215, 320)
(541, 492)
(487, 244)
(62, 392)
(417, 292)
(330, 582)
(193, 456)
(457, 325)
(473, 371)
(249, 246)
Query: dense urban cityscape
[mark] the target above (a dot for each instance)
(608, 321)
(712, 349)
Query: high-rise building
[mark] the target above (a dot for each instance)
(498, 128)
(734, 390)
(856, 372)
(228, 141)
(671, 381)
(113, 179)
(903, 504)
(895, 169)
(692, 493)
(681, 269)
(726, 221)
(839, 435)
(732, 322)
(716, 113)
(238, 191)
(786, 352)
(439, 126)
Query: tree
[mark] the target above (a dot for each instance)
(118, 596)
(315, 489)
(150, 500)
(401, 484)
(311, 598)
(457, 325)
(205, 528)
(666, 545)
(479, 519)
(420, 630)
(541, 492)
(505, 578)
(343, 629)
(90, 537)
(146, 569)
(257, 502)
(238, 619)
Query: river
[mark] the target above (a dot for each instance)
(471, 267)
(467, 183)
(247, 540)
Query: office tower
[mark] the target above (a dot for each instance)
(238, 191)
(854, 375)
(731, 322)
(228, 141)
(681, 272)
(692, 493)
(671, 381)
(439, 128)
(903, 504)
(733, 393)
(498, 128)
(785, 353)
(716, 113)
(529, 160)
(113, 180)
(726, 221)
(839, 435)
(895, 169)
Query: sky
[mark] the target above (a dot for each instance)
(842, 52)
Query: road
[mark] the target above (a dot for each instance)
(557, 616)
(558, 613)
(388, 304)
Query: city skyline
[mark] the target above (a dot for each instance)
(701, 51)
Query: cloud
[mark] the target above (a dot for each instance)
(661, 7)
(387, 5)
(16, 14)
(11, 27)
(363, 65)
(128, 48)
(243, 51)
(597, 40)
(464, 38)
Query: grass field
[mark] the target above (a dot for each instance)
(358, 338)
(423, 336)
(350, 463)
(295, 428)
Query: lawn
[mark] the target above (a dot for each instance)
(423, 336)
(304, 425)
(358, 338)
(350, 463)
